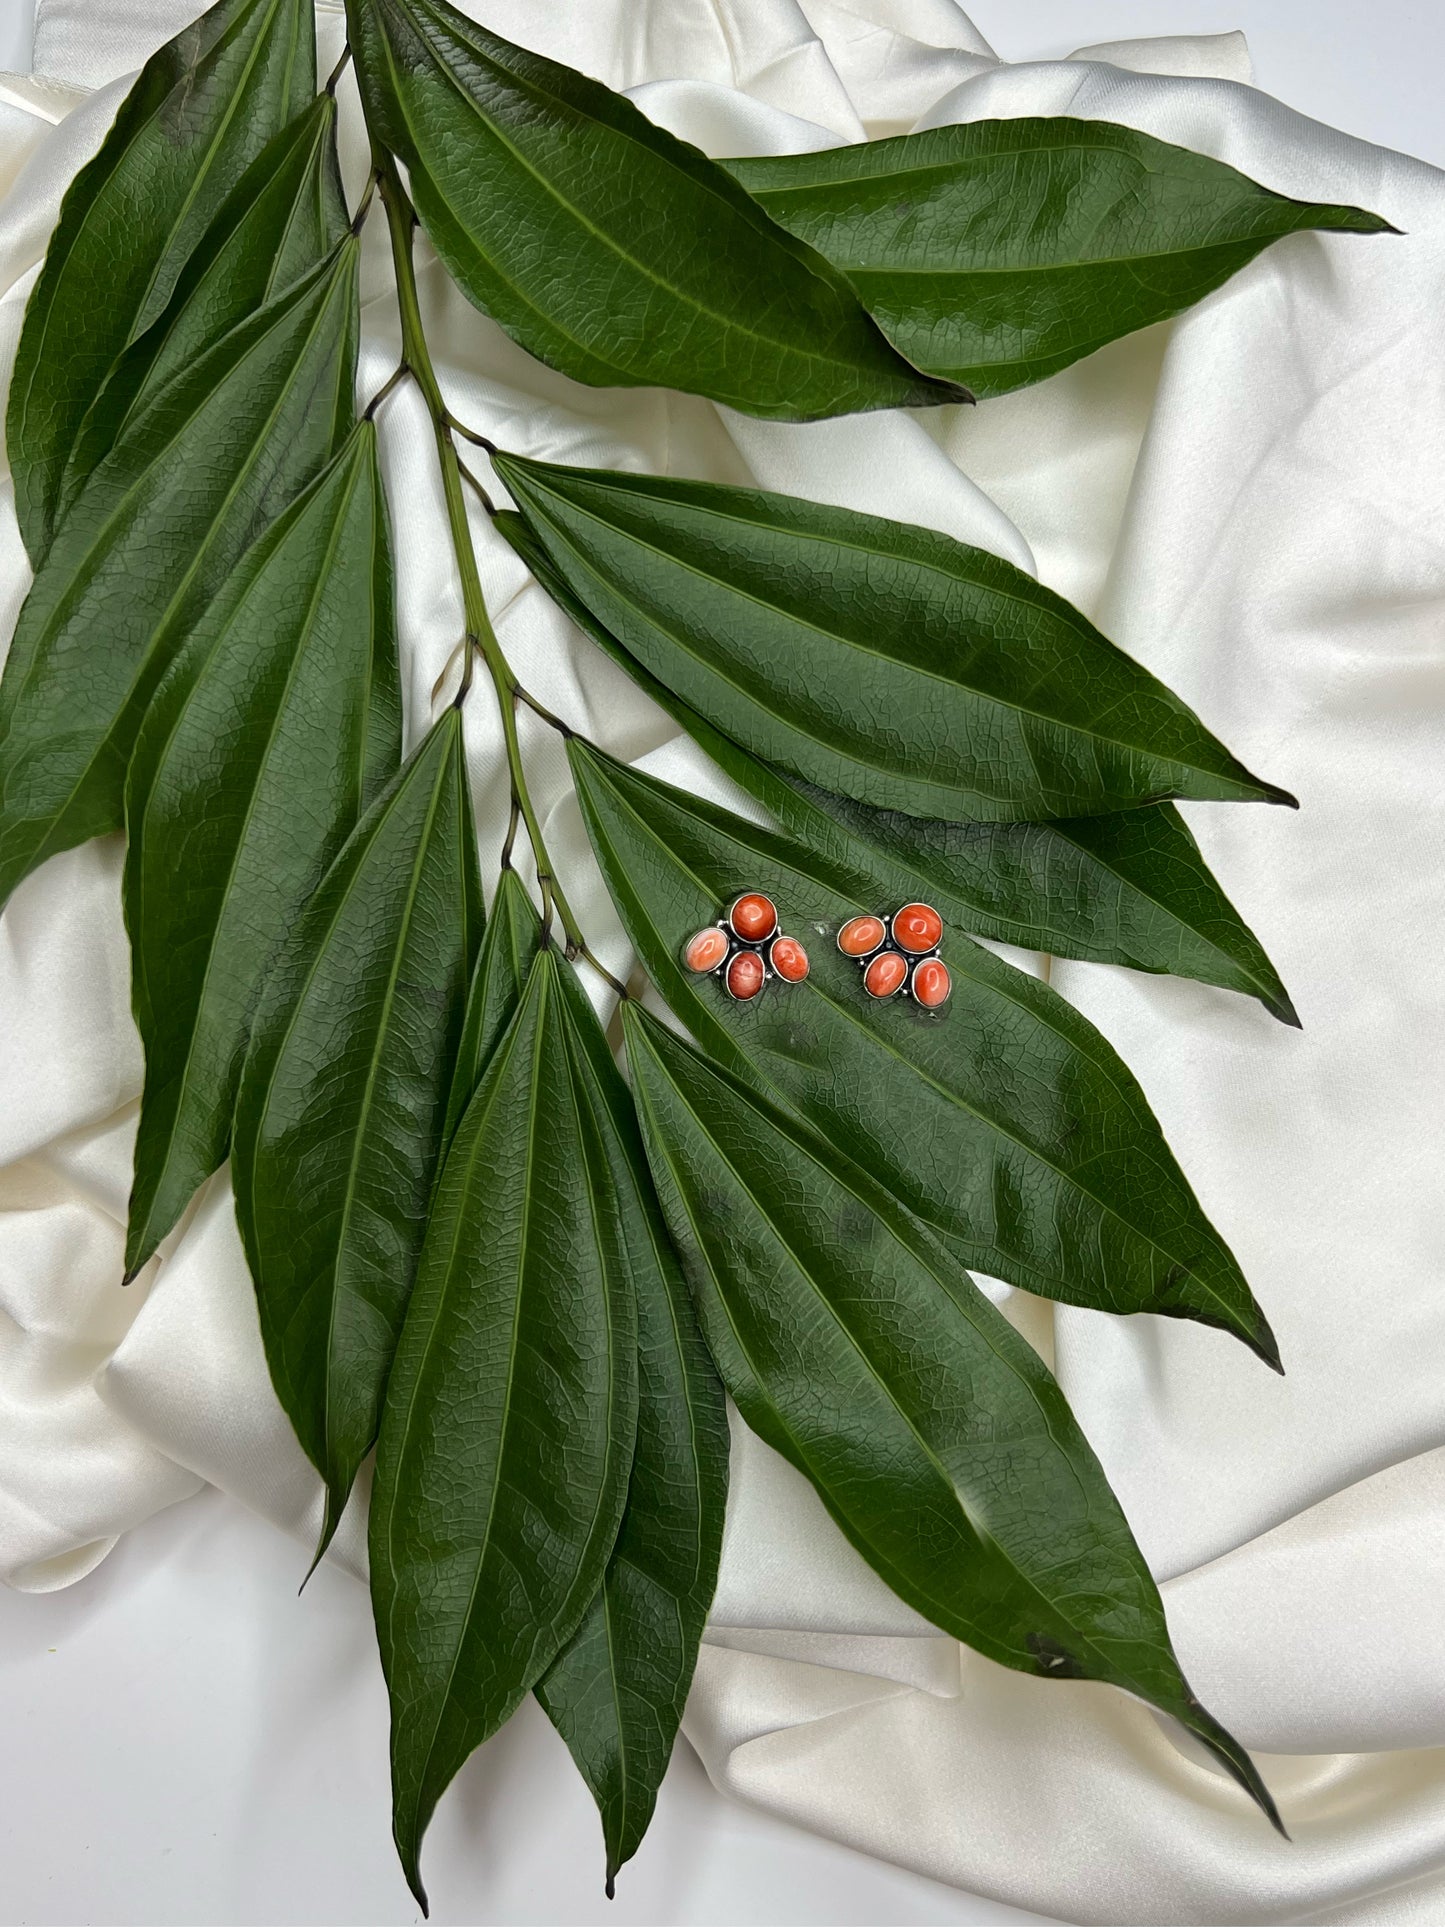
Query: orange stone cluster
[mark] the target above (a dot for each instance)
(900, 953)
(746, 949)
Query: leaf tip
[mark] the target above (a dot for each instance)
(336, 1497)
(1265, 1346)
(411, 1867)
(1281, 1005)
(1360, 220)
(609, 1886)
(140, 1246)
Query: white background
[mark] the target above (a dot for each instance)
(139, 1704)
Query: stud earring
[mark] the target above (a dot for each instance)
(746, 948)
(900, 953)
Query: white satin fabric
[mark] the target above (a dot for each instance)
(1252, 501)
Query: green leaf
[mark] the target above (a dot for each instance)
(617, 1689)
(616, 1692)
(605, 246)
(1005, 1121)
(998, 252)
(509, 949)
(343, 1101)
(201, 110)
(1131, 888)
(271, 732)
(879, 660)
(502, 1465)
(858, 1349)
(284, 216)
(165, 519)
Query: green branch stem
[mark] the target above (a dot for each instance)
(481, 638)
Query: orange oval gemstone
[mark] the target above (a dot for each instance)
(917, 927)
(860, 935)
(753, 918)
(931, 984)
(745, 975)
(884, 976)
(706, 950)
(789, 959)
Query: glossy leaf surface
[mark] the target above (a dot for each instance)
(616, 1692)
(504, 963)
(1129, 888)
(933, 1433)
(163, 522)
(202, 109)
(879, 660)
(502, 1465)
(1005, 1122)
(343, 1102)
(271, 732)
(604, 245)
(281, 220)
(998, 252)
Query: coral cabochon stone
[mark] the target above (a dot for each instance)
(917, 927)
(706, 950)
(753, 917)
(885, 975)
(860, 935)
(931, 984)
(789, 959)
(745, 975)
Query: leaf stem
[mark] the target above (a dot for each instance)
(397, 375)
(358, 220)
(481, 494)
(472, 435)
(339, 69)
(481, 638)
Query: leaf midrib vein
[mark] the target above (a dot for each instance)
(368, 1094)
(950, 1484)
(506, 1052)
(66, 603)
(1095, 734)
(792, 351)
(259, 772)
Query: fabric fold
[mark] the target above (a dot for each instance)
(1250, 500)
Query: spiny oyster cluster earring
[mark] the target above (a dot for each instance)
(745, 949)
(900, 953)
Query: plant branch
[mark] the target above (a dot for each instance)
(481, 638)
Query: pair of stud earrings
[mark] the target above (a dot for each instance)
(746, 949)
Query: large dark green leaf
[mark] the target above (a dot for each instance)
(617, 1691)
(164, 520)
(856, 1347)
(1005, 1121)
(604, 245)
(343, 1102)
(202, 109)
(1130, 888)
(998, 252)
(271, 732)
(502, 1465)
(283, 217)
(876, 659)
